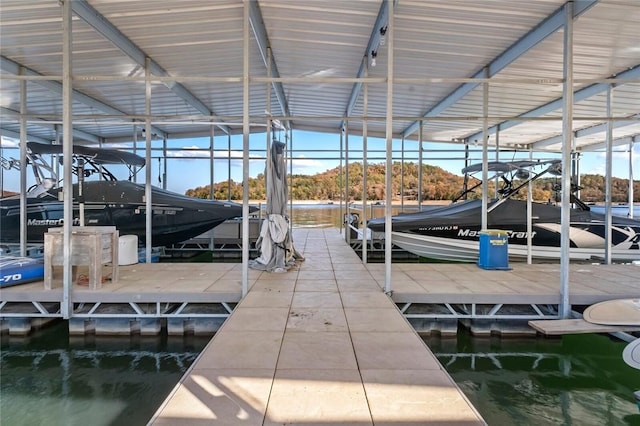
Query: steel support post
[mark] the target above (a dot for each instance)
(567, 143)
(23, 166)
(485, 154)
(365, 101)
(389, 148)
(67, 157)
(147, 153)
(608, 178)
(245, 149)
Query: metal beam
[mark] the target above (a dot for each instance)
(586, 131)
(109, 31)
(16, 135)
(44, 123)
(260, 33)
(374, 42)
(616, 143)
(578, 96)
(13, 67)
(549, 26)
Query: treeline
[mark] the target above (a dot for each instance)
(437, 184)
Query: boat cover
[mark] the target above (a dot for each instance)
(468, 213)
(98, 155)
(277, 253)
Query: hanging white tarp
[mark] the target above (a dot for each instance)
(275, 243)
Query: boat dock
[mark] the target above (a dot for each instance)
(197, 297)
(578, 326)
(322, 344)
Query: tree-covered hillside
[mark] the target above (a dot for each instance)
(437, 184)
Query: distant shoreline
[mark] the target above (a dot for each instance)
(397, 203)
(357, 203)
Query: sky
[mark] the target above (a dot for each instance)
(188, 163)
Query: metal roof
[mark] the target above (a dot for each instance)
(319, 55)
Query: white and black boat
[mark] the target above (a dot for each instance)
(108, 202)
(452, 232)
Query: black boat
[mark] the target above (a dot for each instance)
(452, 232)
(109, 202)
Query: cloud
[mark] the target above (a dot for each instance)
(190, 152)
(597, 170)
(302, 165)
(6, 142)
(116, 145)
(596, 164)
(620, 155)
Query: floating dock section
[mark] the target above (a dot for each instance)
(196, 298)
(321, 343)
(577, 326)
(318, 345)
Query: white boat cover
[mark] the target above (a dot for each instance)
(275, 243)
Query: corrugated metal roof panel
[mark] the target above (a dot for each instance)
(321, 41)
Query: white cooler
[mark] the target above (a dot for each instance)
(128, 250)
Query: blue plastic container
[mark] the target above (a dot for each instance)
(494, 249)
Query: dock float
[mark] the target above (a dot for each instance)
(577, 326)
(318, 345)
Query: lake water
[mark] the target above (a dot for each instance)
(618, 210)
(329, 215)
(570, 380)
(49, 378)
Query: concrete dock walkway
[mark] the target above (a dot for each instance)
(318, 345)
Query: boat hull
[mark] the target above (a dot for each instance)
(452, 232)
(175, 218)
(458, 250)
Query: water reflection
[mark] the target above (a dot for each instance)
(51, 379)
(576, 379)
(331, 215)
